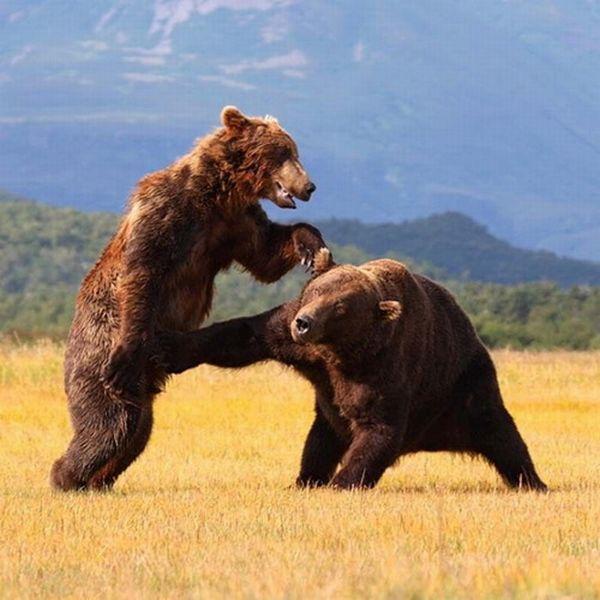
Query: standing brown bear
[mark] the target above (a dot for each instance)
(184, 225)
(396, 365)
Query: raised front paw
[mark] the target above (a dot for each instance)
(123, 371)
(323, 261)
(307, 243)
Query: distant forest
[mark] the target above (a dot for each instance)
(551, 302)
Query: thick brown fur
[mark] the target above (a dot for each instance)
(184, 225)
(396, 365)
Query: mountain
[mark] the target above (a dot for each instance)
(401, 109)
(461, 248)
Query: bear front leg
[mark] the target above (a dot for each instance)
(269, 250)
(235, 343)
(322, 452)
(370, 454)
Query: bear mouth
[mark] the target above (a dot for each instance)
(283, 197)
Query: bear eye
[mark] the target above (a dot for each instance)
(281, 153)
(340, 309)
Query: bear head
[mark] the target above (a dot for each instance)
(266, 160)
(345, 305)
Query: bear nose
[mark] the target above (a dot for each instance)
(310, 188)
(303, 324)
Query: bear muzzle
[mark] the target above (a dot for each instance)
(307, 192)
(303, 329)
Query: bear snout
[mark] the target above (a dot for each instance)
(302, 328)
(308, 191)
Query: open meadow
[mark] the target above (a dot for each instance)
(209, 511)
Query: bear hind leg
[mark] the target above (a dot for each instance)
(106, 476)
(100, 437)
(494, 435)
(503, 447)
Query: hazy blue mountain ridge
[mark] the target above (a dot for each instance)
(401, 110)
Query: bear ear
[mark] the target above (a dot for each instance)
(233, 118)
(323, 261)
(390, 309)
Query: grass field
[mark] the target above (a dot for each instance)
(208, 510)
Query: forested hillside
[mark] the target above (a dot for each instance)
(464, 249)
(46, 251)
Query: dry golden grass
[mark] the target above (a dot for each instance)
(208, 510)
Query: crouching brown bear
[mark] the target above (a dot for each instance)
(396, 365)
(185, 223)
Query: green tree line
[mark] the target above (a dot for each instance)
(46, 251)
